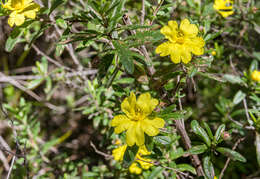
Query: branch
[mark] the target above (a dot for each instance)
(228, 160)
(107, 156)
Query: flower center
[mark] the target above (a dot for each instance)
(17, 4)
(180, 37)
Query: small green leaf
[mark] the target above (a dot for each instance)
(239, 97)
(164, 140)
(198, 149)
(208, 168)
(233, 79)
(13, 39)
(157, 171)
(55, 4)
(219, 131)
(206, 126)
(129, 155)
(233, 155)
(197, 129)
(34, 83)
(186, 167)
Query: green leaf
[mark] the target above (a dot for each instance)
(257, 143)
(174, 154)
(257, 55)
(233, 155)
(239, 97)
(219, 131)
(206, 126)
(164, 140)
(129, 155)
(34, 83)
(125, 56)
(157, 171)
(208, 168)
(233, 79)
(198, 149)
(104, 65)
(197, 129)
(173, 115)
(13, 39)
(186, 167)
(55, 4)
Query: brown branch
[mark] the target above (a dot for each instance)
(228, 160)
(107, 156)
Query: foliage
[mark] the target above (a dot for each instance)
(70, 69)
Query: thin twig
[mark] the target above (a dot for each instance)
(228, 160)
(11, 168)
(143, 12)
(156, 10)
(107, 156)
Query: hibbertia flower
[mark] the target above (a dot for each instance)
(21, 9)
(255, 75)
(182, 41)
(137, 120)
(224, 7)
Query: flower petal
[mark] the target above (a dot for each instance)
(185, 55)
(139, 134)
(175, 54)
(146, 103)
(16, 18)
(148, 128)
(135, 169)
(118, 153)
(121, 122)
(128, 105)
(164, 49)
(130, 135)
(188, 29)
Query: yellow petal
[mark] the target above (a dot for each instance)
(185, 55)
(145, 163)
(175, 54)
(157, 122)
(15, 18)
(130, 135)
(118, 153)
(135, 169)
(139, 134)
(165, 49)
(146, 103)
(143, 151)
(188, 29)
(128, 105)
(121, 122)
(148, 128)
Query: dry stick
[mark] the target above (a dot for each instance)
(11, 168)
(38, 51)
(156, 10)
(151, 69)
(228, 160)
(143, 12)
(107, 156)
(187, 142)
(31, 93)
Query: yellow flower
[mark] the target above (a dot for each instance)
(144, 163)
(256, 76)
(213, 53)
(224, 7)
(182, 42)
(136, 120)
(118, 153)
(21, 9)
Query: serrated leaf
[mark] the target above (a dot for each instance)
(125, 56)
(208, 168)
(233, 155)
(219, 131)
(239, 97)
(197, 129)
(198, 149)
(164, 140)
(186, 167)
